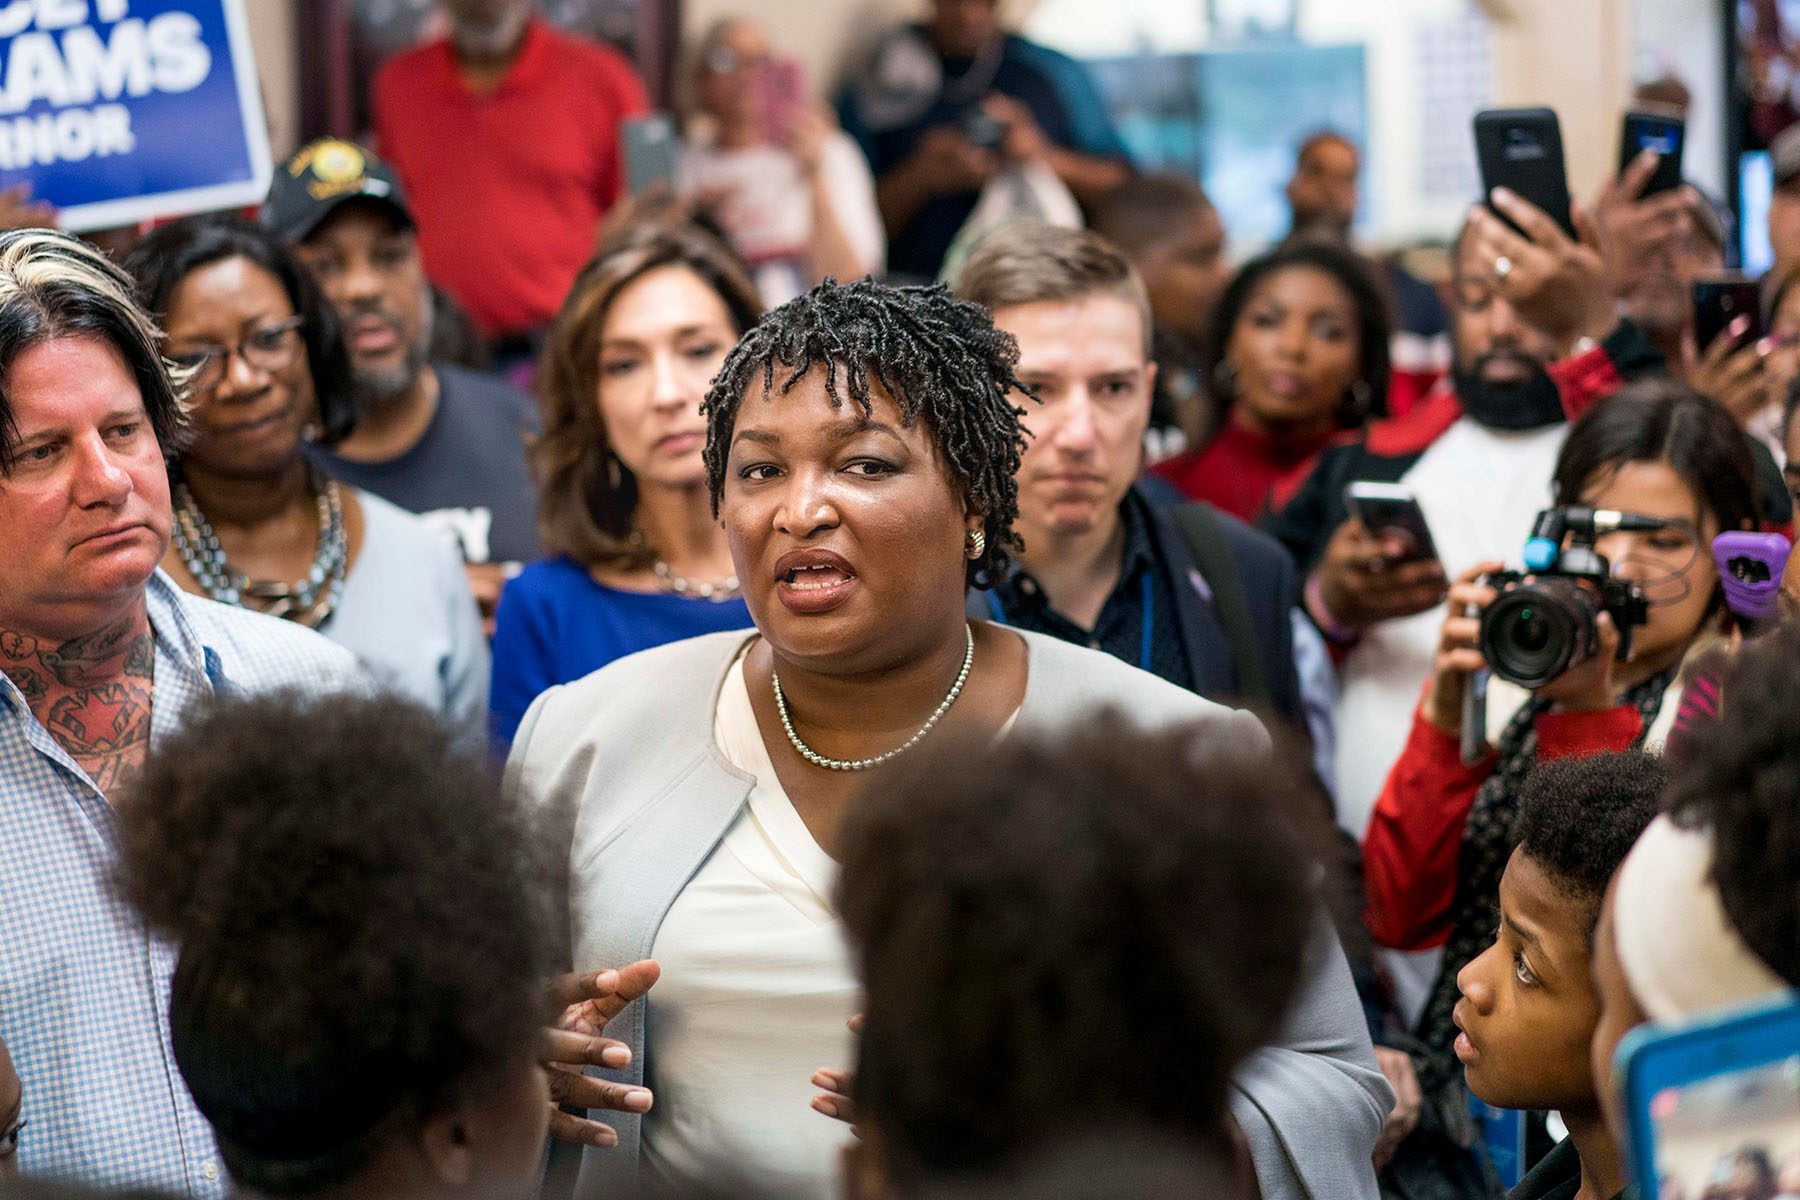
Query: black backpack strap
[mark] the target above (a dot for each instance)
(1206, 539)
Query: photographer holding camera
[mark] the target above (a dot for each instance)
(1644, 482)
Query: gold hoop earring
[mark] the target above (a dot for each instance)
(975, 545)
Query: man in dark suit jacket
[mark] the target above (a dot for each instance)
(1188, 593)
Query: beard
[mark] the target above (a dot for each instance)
(377, 388)
(1530, 403)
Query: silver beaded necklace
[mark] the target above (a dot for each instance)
(723, 589)
(308, 601)
(862, 764)
(666, 578)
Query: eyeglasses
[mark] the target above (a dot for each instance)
(271, 349)
(723, 60)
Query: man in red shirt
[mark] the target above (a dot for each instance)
(506, 136)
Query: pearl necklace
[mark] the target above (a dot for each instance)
(862, 764)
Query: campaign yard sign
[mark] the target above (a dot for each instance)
(116, 111)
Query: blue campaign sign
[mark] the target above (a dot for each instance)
(115, 111)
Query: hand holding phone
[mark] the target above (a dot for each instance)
(1521, 150)
(1730, 354)
(1391, 513)
(1719, 301)
(1366, 576)
(1645, 212)
(1662, 135)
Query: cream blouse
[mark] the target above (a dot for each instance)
(756, 994)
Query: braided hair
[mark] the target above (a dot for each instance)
(939, 357)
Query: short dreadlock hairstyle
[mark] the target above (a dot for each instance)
(939, 357)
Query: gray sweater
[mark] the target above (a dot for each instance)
(629, 752)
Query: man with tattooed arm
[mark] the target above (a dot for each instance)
(101, 656)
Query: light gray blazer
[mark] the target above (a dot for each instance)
(630, 750)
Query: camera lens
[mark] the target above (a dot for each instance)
(1534, 632)
(1531, 633)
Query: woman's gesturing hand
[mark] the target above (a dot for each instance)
(584, 1004)
(1458, 653)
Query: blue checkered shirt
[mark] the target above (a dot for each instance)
(84, 989)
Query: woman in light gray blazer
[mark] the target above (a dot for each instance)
(861, 449)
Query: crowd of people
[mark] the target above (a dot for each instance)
(860, 669)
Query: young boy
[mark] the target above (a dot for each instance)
(1528, 1007)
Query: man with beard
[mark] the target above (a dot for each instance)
(433, 438)
(506, 134)
(1537, 342)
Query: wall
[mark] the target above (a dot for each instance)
(274, 36)
(1687, 39)
(1575, 57)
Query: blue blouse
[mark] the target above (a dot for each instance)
(556, 624)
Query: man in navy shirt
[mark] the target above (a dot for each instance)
(940, 107)
(433, 438)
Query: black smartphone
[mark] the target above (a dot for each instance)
(1653, 131)
(1719, 301)
(1391, 510)
(1521, 149)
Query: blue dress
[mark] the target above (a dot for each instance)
(556, 624)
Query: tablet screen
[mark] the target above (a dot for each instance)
(1730, 1137)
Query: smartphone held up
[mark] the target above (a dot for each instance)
(1521, 150)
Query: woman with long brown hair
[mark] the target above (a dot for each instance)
(636, 556)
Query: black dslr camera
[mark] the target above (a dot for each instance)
(1544, 620)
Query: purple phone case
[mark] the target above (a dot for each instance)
(1750, 567)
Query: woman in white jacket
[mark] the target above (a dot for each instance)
(861, 448)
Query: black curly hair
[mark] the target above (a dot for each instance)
(1374, 325)
(1144, 896)
(940, 358)
(363, 925)
(1740, 779)
(1579, 817)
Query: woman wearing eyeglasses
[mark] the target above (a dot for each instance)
(257, 524)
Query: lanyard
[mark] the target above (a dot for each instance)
(1145, 638)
